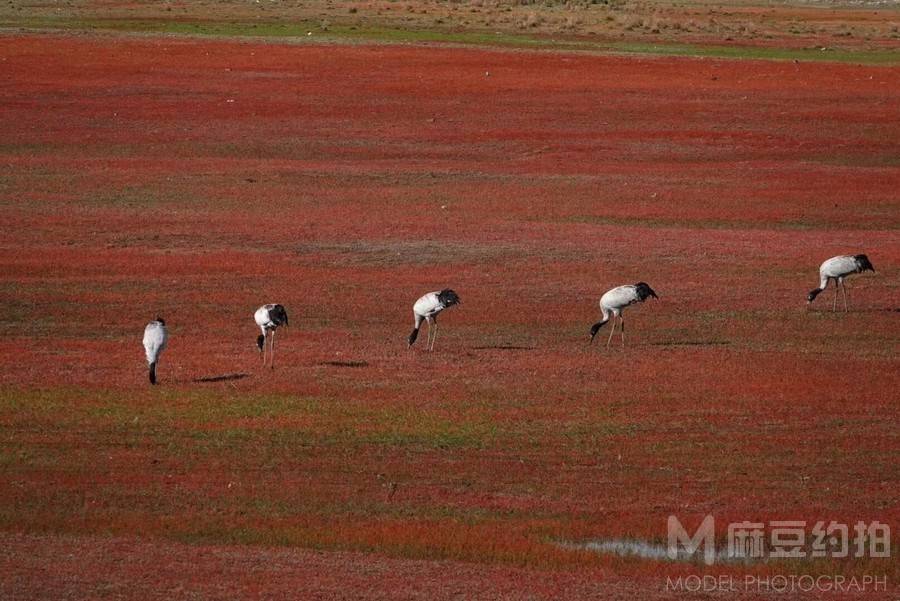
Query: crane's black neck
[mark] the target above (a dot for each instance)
(596, 327)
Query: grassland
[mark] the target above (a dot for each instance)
(197, 178)
(739, 30)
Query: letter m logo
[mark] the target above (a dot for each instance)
(705, 535)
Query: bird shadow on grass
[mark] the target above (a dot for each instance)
(345, 363)
(504, 347)
(692, 343)
(222, 378)
(841, 313)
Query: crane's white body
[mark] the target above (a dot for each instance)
(156, 337)
(837, 269)
(264, 320)
(426, 309)
(269, 318)
(615, 300)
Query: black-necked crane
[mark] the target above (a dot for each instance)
(155, 339)
(838, 268)
(427, 309)
(269, 318)
(614, 301)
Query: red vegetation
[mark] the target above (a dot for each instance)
(198, 180)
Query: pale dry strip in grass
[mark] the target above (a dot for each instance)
(739, 29)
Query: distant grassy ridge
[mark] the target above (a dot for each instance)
(303, 30)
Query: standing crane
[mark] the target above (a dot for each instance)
(614, 301)
(427, 309)
(269, 318)
(838, 268)
(155, 339)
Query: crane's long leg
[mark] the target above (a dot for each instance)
(844, 290)
(613, 331)
(622, 319)
(272, 359)
(834, 301)
(435, 334)
(265, 347)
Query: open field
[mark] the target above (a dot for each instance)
(859, 31)
(199, 178)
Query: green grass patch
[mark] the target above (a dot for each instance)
(666, 222)
(207, 422)
(312, 30)
(725, 224)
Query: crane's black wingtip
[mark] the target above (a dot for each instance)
(278, 315)
(644, 291)
(864, 263)
(448, 297)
